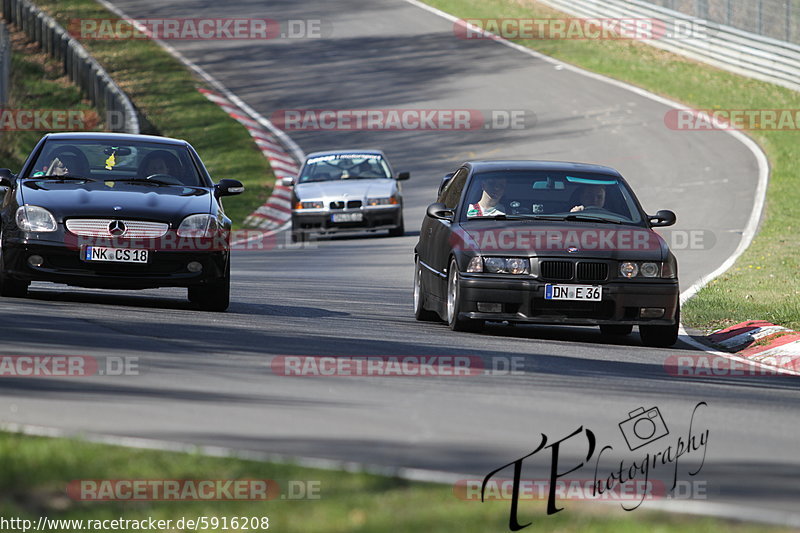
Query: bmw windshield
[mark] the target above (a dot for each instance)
(550, 195)
(343, 167)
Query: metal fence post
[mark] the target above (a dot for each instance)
(81, 68)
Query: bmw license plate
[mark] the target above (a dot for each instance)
(115, 255)
(347, 217)
(583, 293)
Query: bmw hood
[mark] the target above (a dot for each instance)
(125, 200)
(357, 189)
(560, 239)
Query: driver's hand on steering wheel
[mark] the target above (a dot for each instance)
(577, 208)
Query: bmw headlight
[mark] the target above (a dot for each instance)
(647, 269)
(198, 226)
(317, 204)
(35, 218)
(501, 265)
(628, 269)
(392, 200)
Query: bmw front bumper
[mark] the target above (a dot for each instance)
(522, 300)
(373, 218)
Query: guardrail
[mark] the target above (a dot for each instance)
(779, 19)
(118, 112)
(732, 49)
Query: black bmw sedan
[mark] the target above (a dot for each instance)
(545, 242)
(116, 211)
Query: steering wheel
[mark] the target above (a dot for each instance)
(166, 178)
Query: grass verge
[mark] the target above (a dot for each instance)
(165, 93)
(36, 472)
(37, 82)
(764, 283)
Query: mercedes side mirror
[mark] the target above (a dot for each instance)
(665, 217)
(402, 176)
(229, 187)
(287, 182)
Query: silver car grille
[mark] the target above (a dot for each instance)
(101, 227)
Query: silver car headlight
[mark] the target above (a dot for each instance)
(391, 200)
(316, 204)
(198, 226)
(35, 218)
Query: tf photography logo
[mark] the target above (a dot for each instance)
(643, 428)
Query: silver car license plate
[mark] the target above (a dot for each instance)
(347, 217)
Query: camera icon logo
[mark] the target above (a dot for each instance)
(643, 427)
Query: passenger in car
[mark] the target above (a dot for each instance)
(489, 204)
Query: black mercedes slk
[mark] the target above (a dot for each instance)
(545, 242)
(116, 211)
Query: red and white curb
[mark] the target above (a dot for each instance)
(761, 342)
(277, 210)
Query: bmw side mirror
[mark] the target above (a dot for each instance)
(228, 187)
(665, 217)
(445, 179)
(440, 211)
(402, 176)
(6, 177)
(287, 182)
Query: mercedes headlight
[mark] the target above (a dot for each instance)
(35, 218)
(198, 226)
